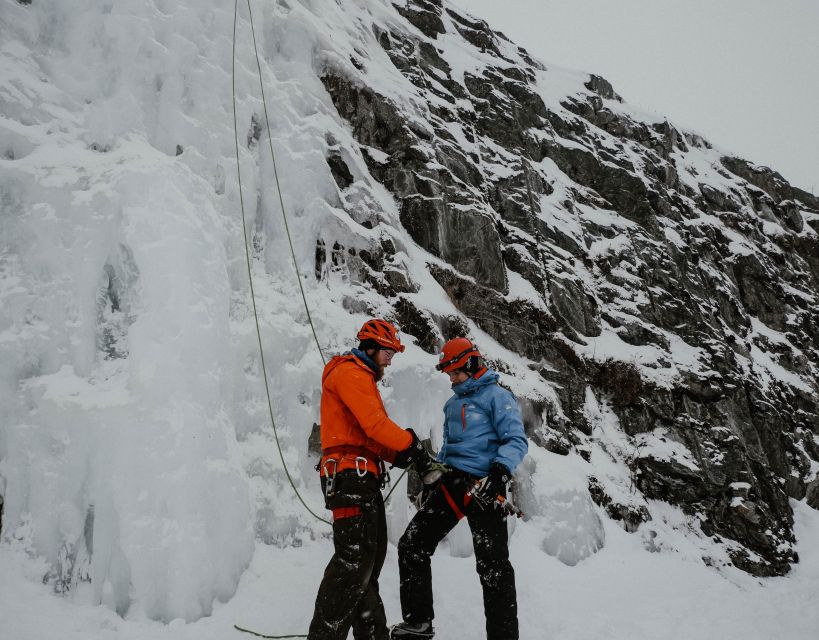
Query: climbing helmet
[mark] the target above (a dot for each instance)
(459, 353)
(382, 332)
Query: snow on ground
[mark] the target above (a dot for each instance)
(621, 593)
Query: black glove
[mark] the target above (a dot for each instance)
(415, 455)
(493, 485)
(431, 480)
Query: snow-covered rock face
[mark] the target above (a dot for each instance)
(622, 257)
(652, 300)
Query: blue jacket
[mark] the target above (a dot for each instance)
(482, 425)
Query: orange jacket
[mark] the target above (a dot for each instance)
(353, 419)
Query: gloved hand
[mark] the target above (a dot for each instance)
(430, 481)
(435, 472)
(415, 454)
(493, 485)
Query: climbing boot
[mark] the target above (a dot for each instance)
(409, 631)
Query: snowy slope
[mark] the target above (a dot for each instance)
(137, 462)
(624, 592)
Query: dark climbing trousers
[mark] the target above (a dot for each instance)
(348, 595)
(439, 513)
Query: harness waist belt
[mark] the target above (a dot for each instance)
(453, 505)
(342, 457)
(347, 449)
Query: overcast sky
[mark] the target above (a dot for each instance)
(744, 73)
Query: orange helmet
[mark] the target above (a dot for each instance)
(382, 332)
(456, 355)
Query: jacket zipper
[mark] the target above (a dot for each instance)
(463, 417)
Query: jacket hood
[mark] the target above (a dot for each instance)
(473, 384)
(365, 359)
(354, 355)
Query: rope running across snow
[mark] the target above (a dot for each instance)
(261, 635)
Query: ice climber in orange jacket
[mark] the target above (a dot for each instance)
(357, 438)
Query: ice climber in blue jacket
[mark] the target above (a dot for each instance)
(483, 443)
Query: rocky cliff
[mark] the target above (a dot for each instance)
(621, 256)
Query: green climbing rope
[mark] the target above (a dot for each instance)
(247, 258)
(261, 635)
(278, 185)
(292, 252)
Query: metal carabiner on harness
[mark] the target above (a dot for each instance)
(330, 480)
(359, 472)
(385, 475)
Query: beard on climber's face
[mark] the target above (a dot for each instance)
(382, 359)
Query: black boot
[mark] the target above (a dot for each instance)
(409, 631)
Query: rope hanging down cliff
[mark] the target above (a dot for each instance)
(247, 249)
(289, 240)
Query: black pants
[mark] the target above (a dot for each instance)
(348, 595)
(433, 521)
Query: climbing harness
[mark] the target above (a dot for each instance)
(362, 471)
(507, 507)
(500, 501)
(330, 480)
(383, 474)
(339, 513)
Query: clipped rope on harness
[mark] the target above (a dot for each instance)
(247, 259)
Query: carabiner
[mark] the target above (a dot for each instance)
(385, 475)
(330, 480)
(358, 471)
